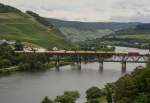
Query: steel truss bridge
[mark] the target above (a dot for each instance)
(99, 56)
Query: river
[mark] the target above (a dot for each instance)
(32, 87)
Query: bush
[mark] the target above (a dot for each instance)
(6, 9)
(125, 100)
(94, 101)
(93, 93)
(46, 100)
(74, 94)
(5, 63)
(142, 98)
(24, 67)
(68, 97)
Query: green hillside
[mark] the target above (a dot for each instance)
(133, 37)
(15, 25)
(81, 31)
(77, 35)
(140, 33)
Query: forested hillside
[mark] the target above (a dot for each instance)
(81, 31)
(141, 32)
(133, 37)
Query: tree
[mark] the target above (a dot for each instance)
(93, 93)
(125, 87)
(6, 56)
(148, 64)
(19, 46)
(124, 100)
(134, 87)
(47, 100)
(74, 94)
(40, 19)
(68, 97)
(5, 63)
(142, 98)
(94, 101)
(6, 9)
(108, 94)
(64, 99)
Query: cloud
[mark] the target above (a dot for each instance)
(88, 10)
(132, 11)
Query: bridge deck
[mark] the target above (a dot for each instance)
(81, 53)
(101, 56)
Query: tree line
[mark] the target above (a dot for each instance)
(93, 95)
(33, 62)
(40, 19)
(7, 8)
(131, 88)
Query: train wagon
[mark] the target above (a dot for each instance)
(133, 53)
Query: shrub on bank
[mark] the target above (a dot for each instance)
(133, 87)
(93, 93)
(5, 63)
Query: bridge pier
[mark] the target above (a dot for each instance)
(79, 66)
(78, 62)
(85, 59)
(101, 67)
(124, 67)
(57, 62)
(101, 62)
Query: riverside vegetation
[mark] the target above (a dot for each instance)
(131, 88)
(9, 61)
(28, 28)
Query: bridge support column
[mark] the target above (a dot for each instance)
(79, 66)
(124, 67)
(78, 62)
(101, 63)
(101, 67)
(85, 59)
(57, 64)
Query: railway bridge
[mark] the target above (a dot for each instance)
(93, 56)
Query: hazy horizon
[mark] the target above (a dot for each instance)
(87, 11)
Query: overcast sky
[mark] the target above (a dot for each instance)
(88, 10)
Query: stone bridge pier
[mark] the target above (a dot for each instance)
(57, 62)
(101, 63)
(124, 66)
(101, 67)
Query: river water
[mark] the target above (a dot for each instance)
(32, 87)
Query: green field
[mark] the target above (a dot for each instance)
(20, 26)
(139, 37)
(133, 34)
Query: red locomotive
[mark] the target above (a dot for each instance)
(133, 53)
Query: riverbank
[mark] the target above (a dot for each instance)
(6, 71)
(12, 69)
(52, 82)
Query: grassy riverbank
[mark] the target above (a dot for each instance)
(9, 70)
